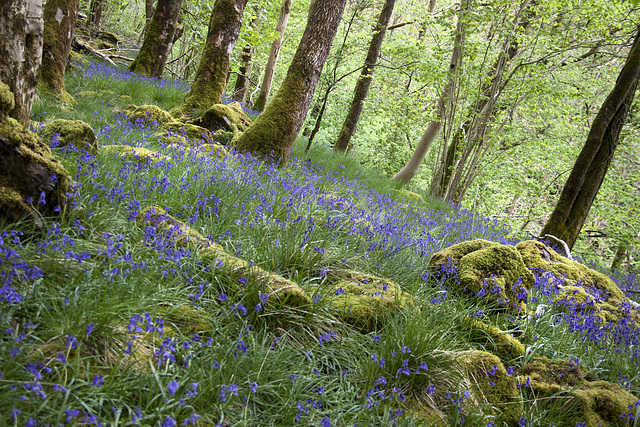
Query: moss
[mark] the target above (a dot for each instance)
(110, 37)
(191, 131)
(139, 154)
(490, 270)
(74, 132)
(7, 101)
(366, 301)
(492, 386)
(76, 61)
(99, 44)
(227, 118)
(148, 114)
(593, 402)
(204, 150)
(407, 195)
(506, 347)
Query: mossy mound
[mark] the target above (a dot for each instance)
(189, 130)
(148, 114)
(366, 301)
(592, 402)
(204, 150)
(139, 154)
(279, 288)
(493, 387)
(489, 270)
(228, 117)
(75, 132)
(32, 181)
(502, 344)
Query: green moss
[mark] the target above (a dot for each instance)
(492, 387)
(74, 132)
(366, 301)
(148, 114)
(596, 403)
(185, 236)
(491, 270)
(139, 154)
(7, 101)
(228, 118)
(191, 131)
(407, 195)
(506, 347)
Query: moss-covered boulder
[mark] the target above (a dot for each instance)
(592, 402)
(279, 288)
(499, 342)
(189, 130)
(229, 117)
(148, 114)
(32, 181)
(488, 270)
(493, 387)
(138, 154)
(75, 132)
(367, 301)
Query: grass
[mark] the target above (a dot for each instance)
(108, 320)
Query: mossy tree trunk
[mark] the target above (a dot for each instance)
(21, 52)
(592, 163)
(158, 39)
(211, 76)
(275, 130)
(270, 68)
(60, 18)
(243, 81)
(366, 76)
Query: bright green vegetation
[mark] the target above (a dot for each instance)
(188, 284)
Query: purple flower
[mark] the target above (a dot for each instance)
(325, 422)
(173, 387)
(169, 422)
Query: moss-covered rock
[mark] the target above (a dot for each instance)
(489, 270)
(189, 130)
(74, 132)
(493, 387)
(593, 402)
(148, 114)
(32, 181)
(366, 301)
(139, 154)
(499, 342)
(229, 117)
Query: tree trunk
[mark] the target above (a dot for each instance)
(148, 10)
(270, 68)
(31, 180)
(275, 130)
(95, 15)
(243, 81)
(158, 40)
(211, 76)
(21, 29)
(592, 163)
(60, 18)
(364, 81)
(407, 173)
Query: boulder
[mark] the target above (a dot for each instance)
(148, 114)
(138, 154)
(189, 130)
(229, 117)
(75, 132)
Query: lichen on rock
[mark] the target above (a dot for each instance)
(75, 132)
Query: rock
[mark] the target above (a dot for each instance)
(489, 270)
(366, 301)
(32, 181)
(189, 130)
(502, 344)
(492, 387)
(74, 132)
(593, 402)
(148, 114)
(139, 154)
(227, 122)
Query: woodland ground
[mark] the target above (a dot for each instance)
(108, 320)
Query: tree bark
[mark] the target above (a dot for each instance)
(243, 81)
(60, 18)
(21, 29)
(366, 76)
(211, 76)
(592, 163)
(158, 39)
(275, 130)
(95, 15)
(270, 68)
(407, 173)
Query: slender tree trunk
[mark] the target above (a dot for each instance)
(148, 11)
(21, 29)
(95, 15)
(243, 81)
(366, 76)
(270, 68)
(211, 76)
(592, 163)
(407, 173)
(158, 40)
(275, 130)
